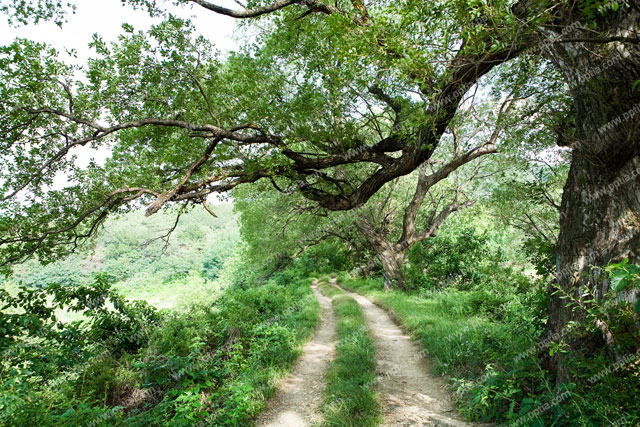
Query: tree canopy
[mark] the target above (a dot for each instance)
(355, 120)
(325, 89)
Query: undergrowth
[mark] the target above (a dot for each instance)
(487, 343)
(215, 363)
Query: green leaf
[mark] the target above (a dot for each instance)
(619, 282)
(613, 267)
(526, 405)
(633, 269)
(537, 422)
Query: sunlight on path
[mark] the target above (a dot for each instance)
(410, 396)
(299, 394)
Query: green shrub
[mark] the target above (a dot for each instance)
(462, 258)
(218, 363)
(488, 344)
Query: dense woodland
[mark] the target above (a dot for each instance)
(472, 167)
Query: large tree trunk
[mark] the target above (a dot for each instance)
(393, 275)
(391, 255)
(600, 217)
(593, 232)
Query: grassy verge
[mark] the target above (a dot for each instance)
(487, 344)
(468, 343)
(350, 399)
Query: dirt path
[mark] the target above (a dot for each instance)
(410, 396)
(299, 394)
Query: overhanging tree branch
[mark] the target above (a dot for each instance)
(263, 10)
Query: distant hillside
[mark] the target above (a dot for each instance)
(132, 249)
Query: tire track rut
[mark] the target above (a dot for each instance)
(295, 403)
(410, 395)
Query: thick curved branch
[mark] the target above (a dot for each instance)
(100, 132)
(426, 182)
(600, 40)
(436, 223)
(263, 10)
(167, 195)
(466, 70)
(253, 13)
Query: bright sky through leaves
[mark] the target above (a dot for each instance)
(105, 17)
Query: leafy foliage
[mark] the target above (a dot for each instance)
(623, 275)
(41, 353)
(25, 11)
(131, 365)
(326, 108)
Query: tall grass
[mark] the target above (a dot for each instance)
(464, 342)
(487, 345)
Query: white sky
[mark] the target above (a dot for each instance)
(106, 17)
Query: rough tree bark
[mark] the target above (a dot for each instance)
(393, 274)
(600, 212)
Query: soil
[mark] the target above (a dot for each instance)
(295, 403)
(410, 395)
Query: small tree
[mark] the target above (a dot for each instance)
(377, 225)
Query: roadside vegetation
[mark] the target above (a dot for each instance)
(147, 259)
(472, 166)
(481, 323)
(215, 360)
(214, 363)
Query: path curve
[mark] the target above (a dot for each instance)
(295, 403)
(410, 395)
